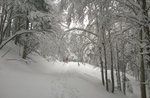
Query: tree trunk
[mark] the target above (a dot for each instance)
(142, 76)
(124, 79)
(26, 42)
(105, 59)
(144, 31)
(8, 30)
(24, 55)
(17, 28)
(118, 69)
(149, 84)
(102, 67)
(2, 23)
(100, 49)
(124, 69)
(112, 65)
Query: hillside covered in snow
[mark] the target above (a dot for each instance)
(38, 78)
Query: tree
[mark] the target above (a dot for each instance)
(77, 11)
(102, 67)
(144, 30)
(118, 69)
(20, 17)
(105, 59)
(112, 66)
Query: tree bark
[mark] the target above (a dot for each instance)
(24, 55)
(105, 59)
(112, 65)
(118, 69)
(2, 23)
(17, 28)
(124, 69)
(102, 67)
(25, 49)
(144, 31)
(142, 75)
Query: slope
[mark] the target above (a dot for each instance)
(42, 79)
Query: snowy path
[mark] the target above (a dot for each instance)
(18, 80)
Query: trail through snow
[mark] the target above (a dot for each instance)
(42, 79)
(20, 80)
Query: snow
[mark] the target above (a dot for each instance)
(43, 79)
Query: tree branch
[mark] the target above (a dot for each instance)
(148, 8)
(16, 34)
(129, 6)
(81, 29)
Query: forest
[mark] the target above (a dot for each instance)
(113, 35)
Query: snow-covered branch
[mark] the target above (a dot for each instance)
(81, 29)
(92, 41)
(130, 2)
(134, 4)
(134, 19)
(16, 34)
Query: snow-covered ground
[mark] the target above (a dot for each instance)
(42, 79)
